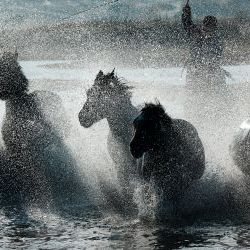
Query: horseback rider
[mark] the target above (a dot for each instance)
(209, 101)
(206, 51)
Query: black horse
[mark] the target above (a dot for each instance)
(173, 154)
(43, 164)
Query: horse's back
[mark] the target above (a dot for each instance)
(193, 151)
(240, 147)
(188, 132)
(32, 137)
(53, 110)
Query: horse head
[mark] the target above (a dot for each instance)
(149, 126)
(102, 98)
(12, 80)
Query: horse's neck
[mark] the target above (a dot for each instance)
(121, 118)
(167, 140)
(23, 106)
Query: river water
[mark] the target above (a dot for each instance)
(95, 227)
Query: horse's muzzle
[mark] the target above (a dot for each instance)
(84, 121)
(136, 150)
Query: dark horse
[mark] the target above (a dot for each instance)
(110, 98)
(173, 154)
(32, 140)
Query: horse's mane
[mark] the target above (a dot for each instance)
(156, 112)
(121, 86)
(13, 81)
(112, 83)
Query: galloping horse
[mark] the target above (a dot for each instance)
(109, 98)
(32, 140)
(173, 154)
(240, 148)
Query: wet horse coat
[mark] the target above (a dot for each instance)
(34, 141)
(173, 154)
(240, 147)
(110, 98)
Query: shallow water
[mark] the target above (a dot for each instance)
(75, 70)
(78, 226)
(56, 233)
(48, 231)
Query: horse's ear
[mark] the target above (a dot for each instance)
(100, 73)
(157, 102)
(113, 72)
(98, 77)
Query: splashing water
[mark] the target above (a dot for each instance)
(222, 182)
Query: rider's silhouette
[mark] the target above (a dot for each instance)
(206, 49)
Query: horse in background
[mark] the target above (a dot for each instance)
(240, 148)
(31, 139)
(110, 98)
(173, 154)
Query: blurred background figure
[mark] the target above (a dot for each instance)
(206, 51)
(208, 101)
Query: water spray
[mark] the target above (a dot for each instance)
(92, 8)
